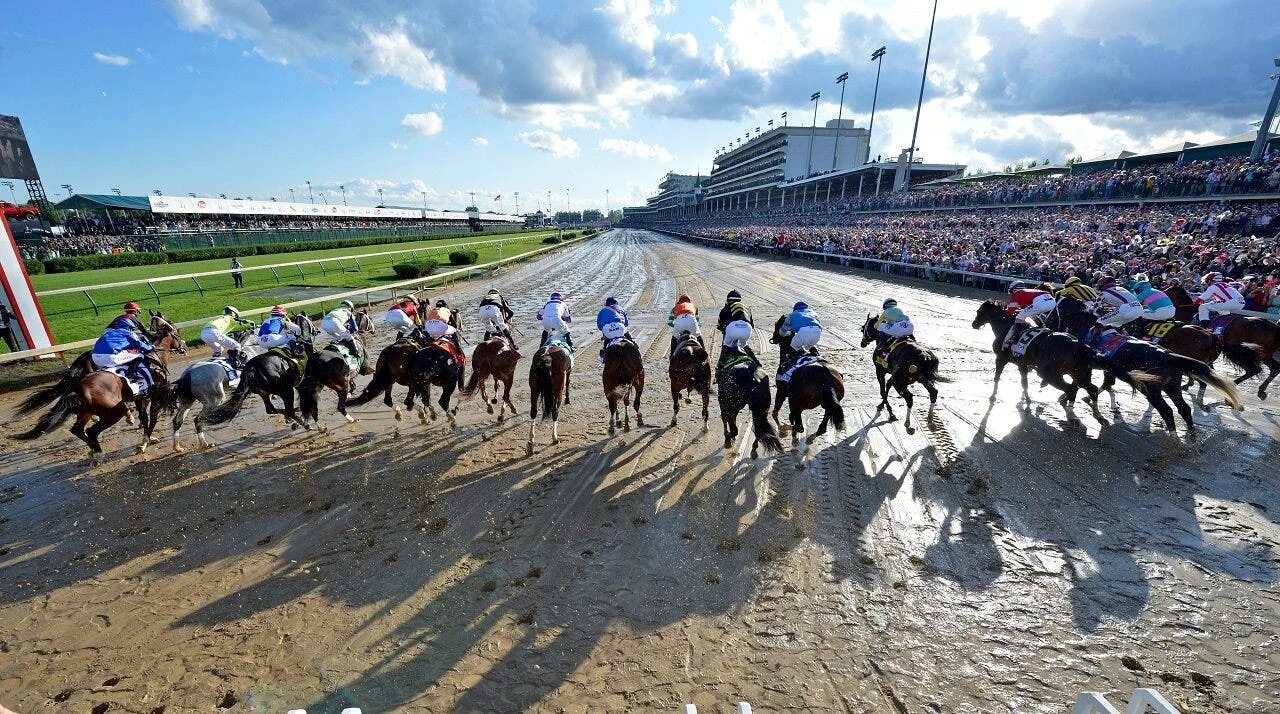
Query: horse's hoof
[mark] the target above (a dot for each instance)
(893, 418)
(350, 419)
(177, 449)
(140, 449)
(1262, 394)
(528, 449)
(673, 422)
(555, 440)
(490, 407)
(688, 400)
(612, 430)
(501, 416)
(493, 401)
(399, 415)
(911, 430)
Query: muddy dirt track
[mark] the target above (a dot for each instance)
(996, 560)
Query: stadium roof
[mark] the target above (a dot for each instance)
(99, 201)
(1165, 152)
(1245, 138)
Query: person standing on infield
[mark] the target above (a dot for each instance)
(236, 273)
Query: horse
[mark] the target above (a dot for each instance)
(435, 365)
(169, 341)
(105, 396)
(623, 378)
(268, 374)
(1258, 335)
(690, 371)
(905, 363)
(550, 370)
(743, 383)
(494, 358)
(1054, 356)
(395, 366)
(1157, 373)
(816, 384)
(326, 368)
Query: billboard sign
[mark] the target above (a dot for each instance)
(245, 207)
(15, 155)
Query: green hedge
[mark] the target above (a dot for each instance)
(464, 257)
(74, 263)
(415, 269)
(552, 240)
(34, 267)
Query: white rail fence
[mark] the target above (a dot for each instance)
(1142, 701)
(466, 270)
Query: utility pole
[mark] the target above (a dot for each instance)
(344, 194)
(835, 153)
(566, 200)
(911, 152)
(517, 203)
(878, 58)
(310, 194)
(1264, 130)
(813, 129)
(473, 201)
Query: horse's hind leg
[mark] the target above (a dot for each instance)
(506, 396)
(639, 390)
(1174, 391)
(446, 393)
(1157, 400)
(706, 411)
(105, 421)
(613, 415)
(179, 415)
(905, 392)
(484, 393)
(675, 403)
(1273, 366)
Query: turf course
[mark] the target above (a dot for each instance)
(72, 318)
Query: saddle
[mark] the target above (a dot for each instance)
(687, 339)
(1023, 343)
(1220, 322)
(353, 358)
(562, 345)
(233, 374)
(883, 352)
(298, 359)
(803, 361)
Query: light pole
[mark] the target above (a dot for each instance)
(116, 191)
(566, 200)
(839, 115)
(12, 195)
(157, 192)
(191, 194)
(607, 212)
(344, 193)
(424, 200)
(67, 188)
(222, 195)
(517, 203)
(1264, 130)
(784, 118)
(380, 201)
(911, 152)
(311, 195)
(292, 198)
(813, 129)
(878, 58)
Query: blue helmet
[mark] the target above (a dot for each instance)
(557, 296)
(611, 301)
(890, 303)
(800, 306)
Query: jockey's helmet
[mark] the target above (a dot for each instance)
(132, 307)
(441, 303)
(347, 304)
(683, 298)
(890, 303)
(1105, 282)
(493, 291)
(1212, 278)
(228, 310)
(1017, 285)
(279, 311)
(611, 301)
(557, 296)
(1073, 280)
(800, 306)
(733, 295)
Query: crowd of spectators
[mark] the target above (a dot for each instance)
(1168, 241)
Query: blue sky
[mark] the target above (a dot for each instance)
(253, 97)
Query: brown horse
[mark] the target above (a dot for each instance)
(395, 366)
(494, 358)
(814, 385)
(549, 373)
(327, 368)
(690, 371)
(1255, 334)
(906, 363)
(623, 378)
(104, 396)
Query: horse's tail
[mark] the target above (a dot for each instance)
(929, 369)
(830, 402)
(67, 404)
(473, 381)
(39, 398)
(381, 380)
(758, 401)
(1200, 372)
(1244, 355)
(545, 396)
(223, 412)
(165, 396)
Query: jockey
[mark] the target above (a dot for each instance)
(439, 322)
(1076, 288)
(1025, 304)
(340, 323)
(1125, 306)
(494, 314)
(612, 321)
(278, 331)
(128, 320)
(1156, 306)
(683, 320)
(118, 347)
(216, 335)
(805, 329)
(403, 316)
(893, 322)
(555, 319)
(1218, 297)
(736, 324)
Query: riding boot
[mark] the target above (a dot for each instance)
(673, 346)
(543, 341)
(568, 340)
(701, 341)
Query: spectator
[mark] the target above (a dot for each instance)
(6, 328)
(237, 273)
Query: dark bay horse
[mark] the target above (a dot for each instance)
(623, 379)
(689, 372)
(742, 383)
(1054, 356)
(494, 358)
(1158, 373)
(435, 365)
(395, 366)
(550, 370)
(326, 368)
(105, 396)
(907, 363)
(268, 374)
(814, 385)
(1256, 334)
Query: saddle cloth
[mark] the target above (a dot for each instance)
(1156, 331)
(562, 345)
(804, 361)
(135, 376)
(1221, 321)
(453, 351)
(233, 375)
(1110, 343)
(882, 355)
(1029, 335)
(353, 358)
(299, 360)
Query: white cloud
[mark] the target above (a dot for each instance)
(636, 149)
(426, 123)
(394, 54)
(550, 142)
(760, 38)
(479, 142)
(398, 146)
(685, 42)
(113, 60)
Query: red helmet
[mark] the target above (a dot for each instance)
(279, 311)
(132, 307)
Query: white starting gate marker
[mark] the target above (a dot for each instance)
(743, 708)
(1142, 701)
(348, 710)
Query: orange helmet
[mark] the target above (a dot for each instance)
(132, 307)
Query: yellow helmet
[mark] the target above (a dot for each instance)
(1073, 280)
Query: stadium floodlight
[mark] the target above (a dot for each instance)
(343, 188)
(292, 198)
(310, 194)
(158, 192)
(116, 191)
(835, 152)
(12, 195)
(380, 201)
(928, 49)
(813, 130)
(222, 195)
(191, 194)
(67, 187)
(878, 58)
(784, 118)
(770, 125)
